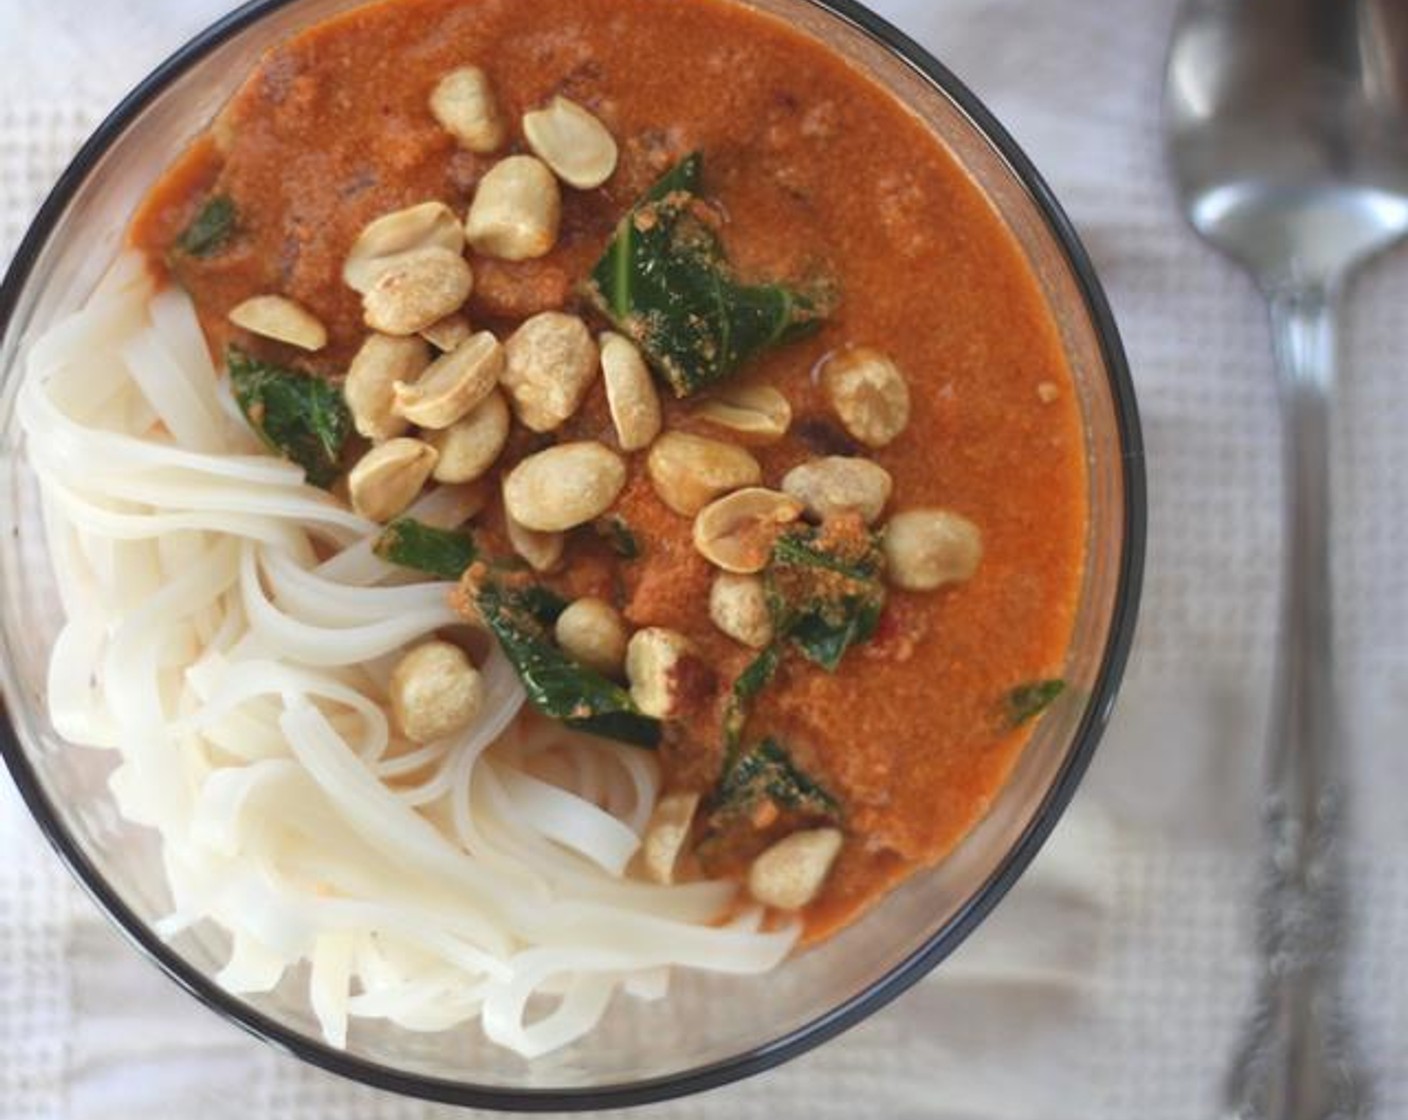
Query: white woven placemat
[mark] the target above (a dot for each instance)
(1111, 983)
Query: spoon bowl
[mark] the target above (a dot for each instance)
(1287, 124)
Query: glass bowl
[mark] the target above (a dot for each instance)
(696, 1039)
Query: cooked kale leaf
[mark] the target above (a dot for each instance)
(767, 772)
(1029, 700)
(210, 229)
(443, 553)
(826, 596)
(750, 683)
(558, 686)
(666, 283)
(302, 417)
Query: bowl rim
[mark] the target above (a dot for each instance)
(882, 990)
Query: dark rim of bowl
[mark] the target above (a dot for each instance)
(881, 991)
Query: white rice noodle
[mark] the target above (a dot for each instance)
(330, 982)
(175, 393)
(252, 967)
(588, 992)
(76, 702)
(571, 821)
(316, 599)
(242, 682)
(324, 645)
(358, 565)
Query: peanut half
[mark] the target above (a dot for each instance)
(577, 146)
(655, 668)
(564, 486)
(397, 233)
(927, 548)
(416, 290)
(592, 631)
(389, 477)
(516, 211)
(281, 319)
(453, 384)
(435, 692)
(689, 471)
(630, 393)
(463, 102)
(469, 447)
(840, 484)
(792, 872)
(550, 363)
(738, 605)
(666, 835)
(737, 532)
(869, 394)
(369, 387)
(759, 411)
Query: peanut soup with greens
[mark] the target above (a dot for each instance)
(770, 458)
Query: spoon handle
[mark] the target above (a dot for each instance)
(1294, 1063)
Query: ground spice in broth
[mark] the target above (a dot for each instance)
(811, 172)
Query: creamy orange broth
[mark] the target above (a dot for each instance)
(815, 168)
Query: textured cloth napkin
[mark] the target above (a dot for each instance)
(1112, 981)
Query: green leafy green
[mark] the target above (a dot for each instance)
(767, 772)
(210, 230)
(665, 282)
(618, 536)
(750, 683)
(444, 553)
(302, 417)
(825, 596)
(558, 686)
(1029, 700)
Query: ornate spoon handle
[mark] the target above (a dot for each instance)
(1295, 1062)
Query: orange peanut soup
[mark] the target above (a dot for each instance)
(916, 341)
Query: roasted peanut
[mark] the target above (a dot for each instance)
(417, 289)
(630, 392)
(593, 632)
(453, 384)
(792, 872)
(448, 333)
(470, 447)
(572, 142)
(666, 834)
(463, 102)
(655, 668)
(389, 477)
(435, 692)
(689, 472)
(759, 411)
(369, 387)
(564, 486)
(516, 211)
(282, 320)
(427, 225)
(869, 394)
(738, 605)
(838, 484)
(927, 548)
(543, 551)
(737, 532)
(550, 362)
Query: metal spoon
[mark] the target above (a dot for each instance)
(1287, 126)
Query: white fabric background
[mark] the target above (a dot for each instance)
(1112, 981)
